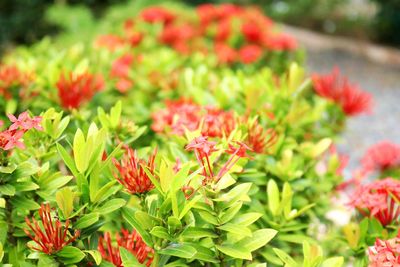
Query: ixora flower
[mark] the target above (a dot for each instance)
(131, 172)
(11, 76)
(381, 156)
(378, 199)
(75, 89)
(11, 137)
(259, 139)
(157, 14)
(52, 236)
(349, 97)
(109, 41)
(250, 53)
(385, 253)
(120, 71)
(183, 114)
(132, 242)
(203, 149)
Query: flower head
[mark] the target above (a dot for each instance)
(11, 76)
(381, 156)
(259, 139)
(378, 199)
(385, 253)
(349, 97)
(24, 122)
(52, 236)
(109, 41)
(250, 53)
(131, 172)
(74, 90)
(132, 242)
(157, 14)
(120, 71)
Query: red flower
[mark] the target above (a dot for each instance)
(132, 242)
(250, 53)
(178, 115)
(381, 156)
(131, 172)
(378, 199)
(157, 14)
(120, 70)
(178, 36)
(74, 90)
(223, 30)
(225, 53)
(349, 97)
(207, 13)
(52, 236)
(280, 42)
(252, 32)
(109, 41)
(11, 76)
(385, 253)
(259, 139)
(218, 123)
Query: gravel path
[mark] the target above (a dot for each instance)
(383, 82)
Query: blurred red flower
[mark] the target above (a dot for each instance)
(381, 156)
(74, 90)
(250, 53)
(157, 14)
(378, 199)
(385, 253)
(349, 97)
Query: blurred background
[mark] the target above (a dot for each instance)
(24, 21)
(319, 25)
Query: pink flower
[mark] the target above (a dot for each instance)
(250, 53)
(12, 139)
(24, 122)
(349, 97)
(378, 199)
(385, 253)
(381, 156)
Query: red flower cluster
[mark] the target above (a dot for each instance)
(381, 156)
(10, 77)
(130, 37)
(203, 149)
(348, 96)
(52, 236)
(378, 199)
(131, 172)
(132, 242)
(259, 139)
(120, 71)
(74, 90)
(385, 253)
(11, 137)
(255, 32)
(184, 114)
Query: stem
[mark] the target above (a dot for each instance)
(156, 259)
(10, 237)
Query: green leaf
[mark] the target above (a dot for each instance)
(128, 259)
(65, 201)
(333, 262)
(105, 192)
(71, 255)
(127, 214)
(247, 218)
(179, 250)
(7, 190)
(198, 232)
(160, 232)
(111, 206)
(81, 150)
(25, 186)
(230, 213)
(273, 197)
(1, 252)
(285, 258)
(259, 239)
(144, 219)
(204, 254)
(95, 255)
(235, 251)
(2, 203)
(188, 206)
(23, 203)
(87, 220)
(67, 159)
(237, 230)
